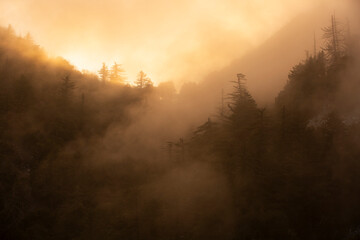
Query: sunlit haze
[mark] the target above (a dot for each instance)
(170, 40)
(180, 119)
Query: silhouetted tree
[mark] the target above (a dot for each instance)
(143, 80)
(335, 41)
(66, 89)
(116, 74)
(104, 73)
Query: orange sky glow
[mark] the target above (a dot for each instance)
(178, 40)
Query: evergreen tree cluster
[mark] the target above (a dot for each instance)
(290, 171)
(293, 169)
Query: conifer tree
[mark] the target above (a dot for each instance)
(335, 41)
(116, 74)
(29, 38)
(241, 102)
(143, 80)
(104, 73)
(66, 89)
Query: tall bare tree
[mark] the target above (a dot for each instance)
(335, 40)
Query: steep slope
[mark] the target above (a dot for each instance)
(266, 67)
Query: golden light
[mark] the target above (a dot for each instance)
(169, 40)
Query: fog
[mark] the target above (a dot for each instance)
(177, 40)
(244, 123)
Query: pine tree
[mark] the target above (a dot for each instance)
(143, 80)
(116, 74)
(29, 38)
(66, 89)
(104, 73)
(10, 31)
(242, 119)
(335, 41)
(240, 99)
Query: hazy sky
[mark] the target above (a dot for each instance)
(170, 40)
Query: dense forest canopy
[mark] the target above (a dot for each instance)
(85, 156)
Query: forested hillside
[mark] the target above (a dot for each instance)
(77, 162)
(293, 170)
(49, 113)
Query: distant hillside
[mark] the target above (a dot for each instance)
(266, 68)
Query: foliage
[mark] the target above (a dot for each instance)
(287, 172)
